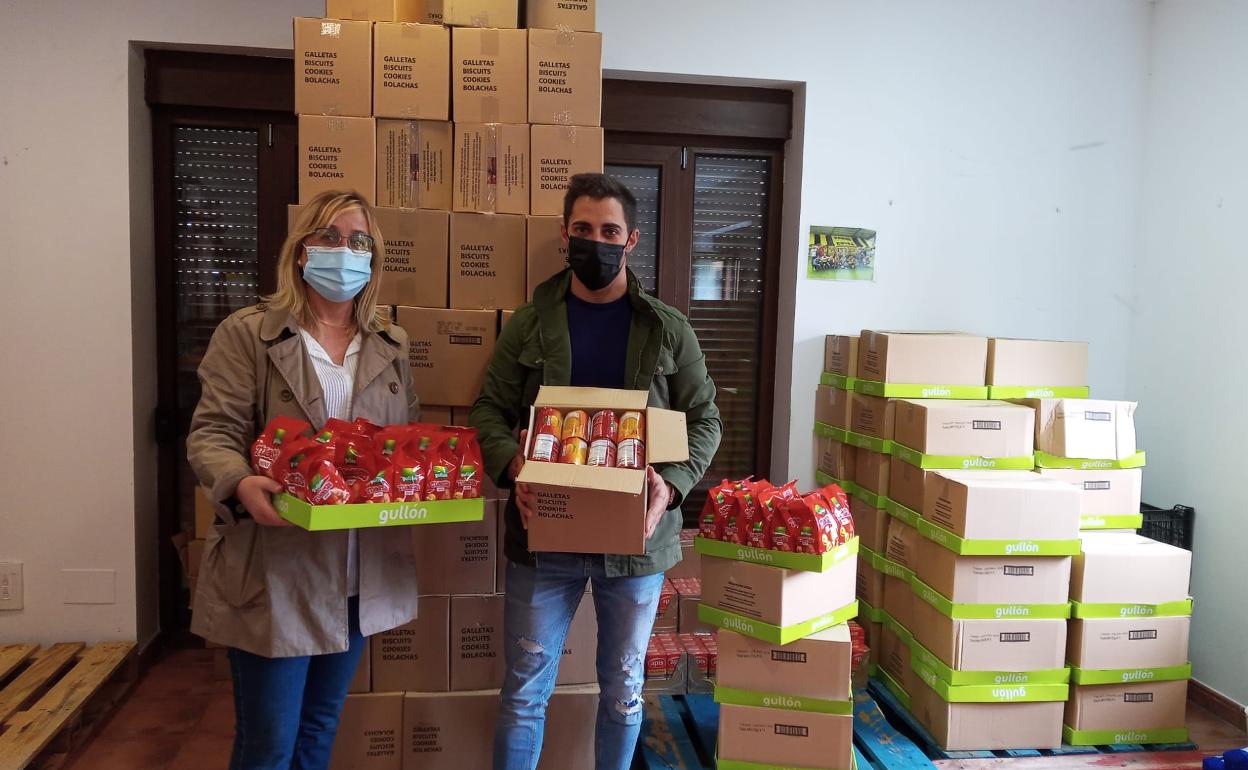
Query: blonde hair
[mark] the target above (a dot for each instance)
(321, 211)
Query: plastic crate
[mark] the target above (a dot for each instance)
(1169, 525)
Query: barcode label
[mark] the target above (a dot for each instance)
(1016, 636)
(465, 339)
(1098, 416)
(1142, 635)
(1019, 571)
(1137, 697)
(985, 425)
(1093, 486)
(782, 656)
(796, 731)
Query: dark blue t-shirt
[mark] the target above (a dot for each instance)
(599, 337)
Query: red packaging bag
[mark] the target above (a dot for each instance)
(325, 486)
(725, 505)
(269, 444)
(745, 508)
(838, 505)
(353, 457)
(365, 427)
(443, 464)
(286, 469)
(407, 476)
(471, 465)
(387, 441)
(758, 524)
(376, 488)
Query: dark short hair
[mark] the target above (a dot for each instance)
(599, 187)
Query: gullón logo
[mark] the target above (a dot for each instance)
(1009, 693)
(1013, 611)
(936, 392)
(1137, 676)
(402, 513)
(1039, 393)
(754, 554)
(1093, 521)
(783, 702)
(1011, 679)
(1136, 610)
(1130, 737)
(1024, 546)
(1092, 465)
(978, 462)
(736, 624)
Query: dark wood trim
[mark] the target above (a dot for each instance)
(696, 109)
(668, 245)
(226, 81)
(1216, 703)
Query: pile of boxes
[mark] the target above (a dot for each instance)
(785, 653)
(974, 467)
(462, 127)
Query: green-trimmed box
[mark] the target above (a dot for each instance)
(898, 629)
(954, 462)
(1126, 521)
(916, 390)
(736, 764)
(881, 445)
(1166, 609)
(988, 611)
(869, 613)
(964, 547)
(778, 701)
(823, 430)
(870, 498)
(319, 518)
(989, 693)
(842, 381)
(1112, 737)
(920, 655)
(892, 568)
(1130, 675)
(1046, 460)
(824, 479)
(1008, 392)
(806, 562)
(894, 687)
(773, 633)
(899, 511)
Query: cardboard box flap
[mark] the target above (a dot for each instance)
(668, 436)
(584, 477)
(589, 398)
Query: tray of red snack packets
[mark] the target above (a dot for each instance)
(357, 474)
(760, 522)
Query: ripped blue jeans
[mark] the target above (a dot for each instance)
(539, 608)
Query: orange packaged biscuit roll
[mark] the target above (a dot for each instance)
(575, 451)
(576, 425)
(632, 425)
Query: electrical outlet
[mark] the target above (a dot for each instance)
(10, 585)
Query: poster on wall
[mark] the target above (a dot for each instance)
(841, 254)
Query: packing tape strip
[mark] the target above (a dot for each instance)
(565, 37)
(490, 41)
(562, 118)
(490, 156)
(331, 29)
(569, 134)
(481, 19)
(410, 31)
(490, 109)
(414, 180)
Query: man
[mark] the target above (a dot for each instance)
(589, 325)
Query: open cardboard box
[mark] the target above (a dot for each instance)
(316, 518)
(589, 509)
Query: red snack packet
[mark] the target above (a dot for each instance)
(782, 527)
(272, 440)
(745, 508)
(408, 476)
(726, 506)
(365, 427)
(758, 524)
(325, 485)
(841, 515)
(376, 488)
(834, 493)
(387, 441)
(442, 457)
(287, 468)
(471, 465)
(816, 527)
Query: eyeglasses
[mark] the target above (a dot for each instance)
(329, 237)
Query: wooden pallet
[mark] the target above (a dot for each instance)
(903, 720)
(52, 699)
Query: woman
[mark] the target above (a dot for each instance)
(294, 606)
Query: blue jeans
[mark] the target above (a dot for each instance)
(539, 608)
(286, 709)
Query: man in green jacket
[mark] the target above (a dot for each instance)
(590, 325)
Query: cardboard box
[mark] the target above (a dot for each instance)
(337, 153)
(899, 600)
(935, 358)
(415, 656)
(363, 679)
(552, 14)
(547, 253)
(988, 726)
(903, 544)
(1133, 706)
(583, 509)
(840, 354)
(489, 76)
(1090, 428)
(778, 597)
(895, 657)
(993, 579)
(690, 564)
(834, 407)
(872, 416)
(1125, 568)
(558, 152)
(492, 168)
(411, 71)
(333, 67)
(1122, 643)
(907, 484)
(870, 524)
(870, 584)
(487, 261)
(968, 429)
(369, 729)
(565, 77)
(414, 164)
(414, 272)
(457, 558)
(689, 622)
(1009, 644)
(449, 351)
(835, 459)
(439, 415)
(1002, 505)
(1046, 363)
(815, 667)
(872, 471)
(381, 10)
(790, 738)
(501, 14)
(205, 513)
(1108, 499)
(667, 617)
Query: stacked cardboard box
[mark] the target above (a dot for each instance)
(1128, 641)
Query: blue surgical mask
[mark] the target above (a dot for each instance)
(338, 273)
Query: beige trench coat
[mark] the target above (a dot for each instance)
(282, 591)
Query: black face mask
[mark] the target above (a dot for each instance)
(595, 263)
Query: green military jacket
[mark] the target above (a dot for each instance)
(664, 358)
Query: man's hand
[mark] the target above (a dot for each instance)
(661, 495)
(525, 499)
(255, 493)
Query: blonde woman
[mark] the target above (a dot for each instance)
(293, 607)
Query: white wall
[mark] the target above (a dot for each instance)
(1187, 363)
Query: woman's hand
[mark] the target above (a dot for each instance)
(525, 499)
(256, 493)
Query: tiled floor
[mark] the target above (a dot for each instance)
(179, 718)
